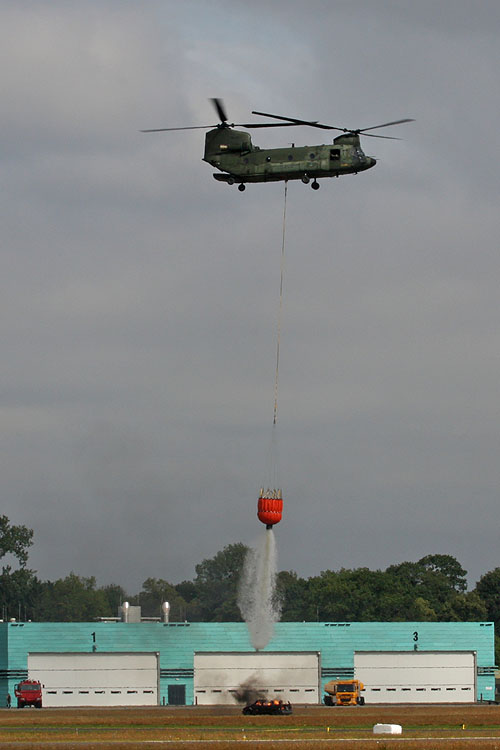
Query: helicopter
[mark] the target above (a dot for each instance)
(240, 161)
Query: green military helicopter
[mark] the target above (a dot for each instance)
(233, 153)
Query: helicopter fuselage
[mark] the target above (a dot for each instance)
(233, 153)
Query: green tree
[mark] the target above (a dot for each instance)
(421, 610)
(488, 588)
(216, 583)
(448, 567)
(186, 589)
(115, 596)
(431, 589)
(427, 589)
(497, 649)
(18, 588)
(15, 540)
(360, 594)
(72, 599)
(154, 592)
(293, 595)
(19, 593)
(467, 607)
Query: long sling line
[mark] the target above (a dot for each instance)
(280, 311)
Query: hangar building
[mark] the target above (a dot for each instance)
(159, 663)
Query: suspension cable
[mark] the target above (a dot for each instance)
(280, 311)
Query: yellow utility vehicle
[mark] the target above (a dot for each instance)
(344, 693)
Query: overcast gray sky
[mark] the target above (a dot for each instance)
(139, 296)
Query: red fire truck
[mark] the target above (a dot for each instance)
(28, 693)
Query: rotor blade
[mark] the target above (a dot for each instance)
(225, 125)
(264, 124)
(385, 125)
(189, 127)
(316, 124)
(386, 137)
(219, 106)
(295, 121)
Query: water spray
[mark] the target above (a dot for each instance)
(257, 598)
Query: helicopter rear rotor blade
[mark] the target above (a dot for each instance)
(219, 106)
(226, 125)
(189, 127)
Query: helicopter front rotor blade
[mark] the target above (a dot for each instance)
(385, 125)
(296, 121)
(386, 137)
(316, 124)
(265, 124)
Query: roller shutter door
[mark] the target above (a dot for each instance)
(96, 679)
(417, 676)
(229, 678)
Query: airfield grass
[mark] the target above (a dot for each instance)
(452, 727)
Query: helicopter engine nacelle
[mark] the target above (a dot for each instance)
(222, 141)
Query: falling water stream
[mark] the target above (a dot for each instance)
(257, 594)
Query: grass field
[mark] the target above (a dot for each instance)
(424, 727)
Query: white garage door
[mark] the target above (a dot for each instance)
(242, 677)
(96, 679)
(417, 676)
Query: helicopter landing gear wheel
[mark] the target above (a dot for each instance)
(230, 181)
(315, 185)
(305, 179)
(242, 187)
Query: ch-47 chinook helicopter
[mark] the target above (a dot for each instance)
(233, 153)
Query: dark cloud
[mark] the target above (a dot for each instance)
(139, 297)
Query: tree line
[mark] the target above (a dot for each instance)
(432, 589)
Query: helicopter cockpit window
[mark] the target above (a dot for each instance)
(334, 154)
